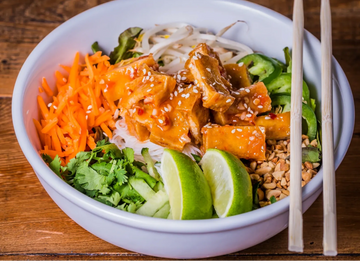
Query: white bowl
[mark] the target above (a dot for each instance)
(265, 31)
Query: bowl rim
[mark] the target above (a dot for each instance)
(154, 224)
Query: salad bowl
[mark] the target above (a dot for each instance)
(261, 29)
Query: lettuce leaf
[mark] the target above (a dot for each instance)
(126, 42)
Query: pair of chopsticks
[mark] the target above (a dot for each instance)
(329, 196)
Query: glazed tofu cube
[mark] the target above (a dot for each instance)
(188, 100)
(116, 79)
(238, 75)
(137, 129)
(250, 101)
(245, 142)
(215, 93)
(173, 135)
(205, 49)
(277, 126)
(151, 88)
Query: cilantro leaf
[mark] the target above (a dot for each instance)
(55, 165)
(129, 154)
(89, 179)
(272, 199)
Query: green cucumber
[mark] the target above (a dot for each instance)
(154, 204)
(142, 188)
(163, 212)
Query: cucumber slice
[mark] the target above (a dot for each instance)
(142, 188)
(153, 204)
(163, 212)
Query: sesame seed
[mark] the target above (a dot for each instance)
(240, 64)
(148, 90)
(251, 138)
(260, 106)
(233, 131)
(64, 79)
(88, 112)
(195, 90)
(247, 90)
(166, 109)
(179, 103)
(267, 118)
(89, 107)
(228, 100)
(149, 73)
(105, 90)
(102, 81)
(161, 121)
(239, 130)
(86, 117)
(242, 89)
(183, 95)
(175, 93)
(248, 115)
(195, 81)
(205, 98)
(54, 107)
(144, 71)
(208, 69)
(245, 105)
(183, 78)
(49, 104)
(151, 79)
(195, 58)
(152, 85)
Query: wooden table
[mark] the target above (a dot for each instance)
(32, 227)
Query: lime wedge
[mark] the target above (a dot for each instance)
(230, 184)
(185, 183)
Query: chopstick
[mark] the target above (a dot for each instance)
(295, 212)
(329, 193)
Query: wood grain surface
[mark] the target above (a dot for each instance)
(32, 227)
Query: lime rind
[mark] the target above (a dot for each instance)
(223, 169)
(191, 188)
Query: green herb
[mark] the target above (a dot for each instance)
(103, 174)
(272, 199)
(288, 59)
(126, 43)
(95, 47)
(310, 154)
(197, 158)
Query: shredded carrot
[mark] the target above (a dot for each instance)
(46, 87)
(91, 142)
(106, 130)
(78, 105)
(43, 108)
(49, 125)
(103, 117)
(39, 128)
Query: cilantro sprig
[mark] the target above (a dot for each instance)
(104, 173)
